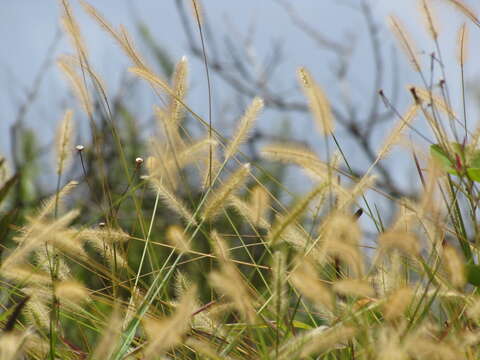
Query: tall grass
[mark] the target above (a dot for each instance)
(198, 256)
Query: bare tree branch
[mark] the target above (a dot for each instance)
(237, 69)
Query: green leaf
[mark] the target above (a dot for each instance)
(438, 153)
(473, 165)
(474, 174)
(473, 274)
(475, 160)
(301, 325)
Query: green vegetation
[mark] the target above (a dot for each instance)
(198, 252)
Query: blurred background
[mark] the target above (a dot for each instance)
(254, 48)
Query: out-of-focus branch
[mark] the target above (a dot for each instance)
(31, 97)
(18, 124)
(238, 70)
(322, 41)
(236, 79)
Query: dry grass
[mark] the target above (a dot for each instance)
(230, 270)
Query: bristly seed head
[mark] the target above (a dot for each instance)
(79, 148)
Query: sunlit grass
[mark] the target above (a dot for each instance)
(200, 256)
